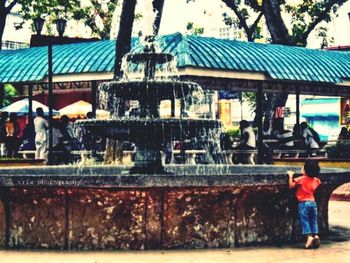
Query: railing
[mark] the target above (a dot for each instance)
(13, 45)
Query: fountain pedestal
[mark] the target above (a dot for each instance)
(107, 209)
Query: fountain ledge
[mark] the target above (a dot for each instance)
(186, 176)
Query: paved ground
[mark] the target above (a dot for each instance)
(335, 249)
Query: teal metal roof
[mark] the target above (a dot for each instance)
(277, 61)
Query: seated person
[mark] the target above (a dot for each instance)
(248, 142)
(344, 134)
(311, 138)
(28, 138)
(285, 139)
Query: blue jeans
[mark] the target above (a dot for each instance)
(308, 217)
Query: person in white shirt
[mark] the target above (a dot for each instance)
(248, 142)
(41, 137)
(309, 137)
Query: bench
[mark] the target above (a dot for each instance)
(249, 155)
(295, 153)
(190, 155)
(30, 154)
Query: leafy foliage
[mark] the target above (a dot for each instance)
(307, 15)
(98, 16)
(193, 29)
(233, 133)
(95, 14)
(10, 92)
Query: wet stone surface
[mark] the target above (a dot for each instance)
(101, 219)
(200, 217)
(37, 218)
(2, 225)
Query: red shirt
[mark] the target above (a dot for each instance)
(306, 187)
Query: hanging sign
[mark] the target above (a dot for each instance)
(279, 113)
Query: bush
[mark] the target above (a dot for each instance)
(233, 132)
(339, 150)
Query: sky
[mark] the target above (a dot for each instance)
(203, 13)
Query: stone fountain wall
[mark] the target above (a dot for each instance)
(194, 217)
(105, 208)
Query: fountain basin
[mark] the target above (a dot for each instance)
(189, 207)
(149, 90)
(140, 130)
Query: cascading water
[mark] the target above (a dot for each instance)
(147, 81)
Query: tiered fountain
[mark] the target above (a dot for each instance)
(148, 131)
(150, 206)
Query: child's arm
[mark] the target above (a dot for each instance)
(291, 180)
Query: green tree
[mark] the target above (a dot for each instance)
(10, 92)
(306, 16)
(98, 16)
(95, 14)
(193, 29)
(244, 13)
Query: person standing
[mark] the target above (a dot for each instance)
(3, 120)
(12, 131)
(305, 187)
(41, 126)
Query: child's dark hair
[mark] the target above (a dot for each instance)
(311, 168)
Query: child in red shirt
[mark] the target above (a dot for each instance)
(305, 188)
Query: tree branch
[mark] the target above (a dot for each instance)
(10, 6)
(327, 8)
(257, 20)
(242, 20)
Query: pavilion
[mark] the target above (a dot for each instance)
(215, 64)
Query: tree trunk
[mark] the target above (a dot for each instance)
(2, 94)
(3, 16)
(114, 151)
(277, 28)
(273, 100)
(123, 43)
(157, 7)
(279, 34)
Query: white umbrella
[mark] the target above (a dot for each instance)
(79, 109)
(21, 107)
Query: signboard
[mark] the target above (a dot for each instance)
(229, 95)
(225, 113)
(279, 113)
(345, 111)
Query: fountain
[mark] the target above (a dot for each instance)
(151, 206)
(148, 131)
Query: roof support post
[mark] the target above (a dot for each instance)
(259, 113)
(173, 101)
(94, 98)
(50, 73)
(297, 113)
(30, 103)
(2, 94)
